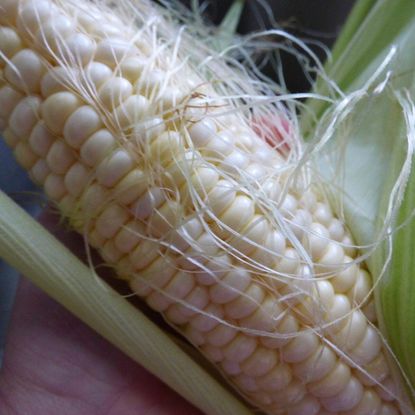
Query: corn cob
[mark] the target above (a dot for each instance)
(170, 183)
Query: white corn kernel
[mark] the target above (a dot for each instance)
(201, 132)
(246, 383)
(77, 179)
(238, 214)
(9, 98)
(164, 218)
(180, 285)
(359, 293)
(203, 181)
(145, 204)
(10, 138)
(149, 82)
(221, 335)
(56, 109)
(40, 171)
(111, 220)
(131, 111)
(347, 399)
(147, 130)
(131, 187)
(131, 67)
(332, 259)
(60, 157)
(196, 300)
(290, 395)
(247, 303)
(208, 271)
(336, 230)
(41, 139)
(32, 16)
(300, 348)
(114, 168)
(112, 51)
(368, 348)
(25, 116)
(53, 33)
(10, 44)
(25, 71)
(231, 286)
(337, 315)
(24, 155)
(94, 200)
(219, 146)
(260, 362)
(252, 236)
(114, 91)
(129, 236)
(277, 379)
(165, 147)
(96, 74)
(352, 333)
(322, 214)
(110, 253)
(266, 317)
(83, 122)
(240, 348)
(144, 254)
(54, 187)
(318, 240)
(221, 196)
(333, 383)
(317, 366)
(209, 319)
(186, 235)
(375, 371)
(194, 336)
(231, 368)
(58, 79)
(97, 147)
(78, 49)
(368, 405)
(307, 406)
(214, 354)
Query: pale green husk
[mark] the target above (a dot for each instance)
(370, 150)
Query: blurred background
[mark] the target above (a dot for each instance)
(316, 21)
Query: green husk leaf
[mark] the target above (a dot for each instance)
(355, 20)
(370, 152)
(33, 251)
(229, 24)
(231, 20)
(397, 290)
(368, 34)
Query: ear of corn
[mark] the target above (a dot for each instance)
(168, 181)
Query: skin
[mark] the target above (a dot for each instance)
(55, 364)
